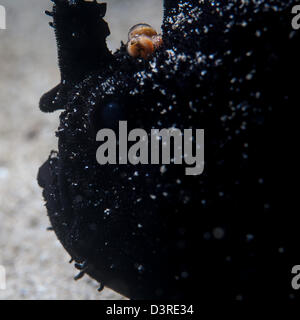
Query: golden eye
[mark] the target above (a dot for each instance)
(141, 29)
(140, 47)
(143, 40)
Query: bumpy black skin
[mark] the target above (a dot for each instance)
(235, 63)
(81, 37)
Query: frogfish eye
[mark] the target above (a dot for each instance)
(143, 40)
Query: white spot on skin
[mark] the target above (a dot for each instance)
(218, 233)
